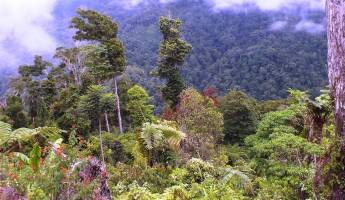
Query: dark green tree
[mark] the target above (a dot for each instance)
(95, 103)
(172, 54)
(15, 111)
(49, 90)
(32, 87)
(96, 27)
(239, 116)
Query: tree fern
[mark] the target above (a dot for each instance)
(9, 136)
(156, 135)
(237, 178)
(5, 130)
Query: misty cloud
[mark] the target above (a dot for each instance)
(132, 3)
(278, 25)
(236, 4)
(268, 4)
(24, 29)
(310, 27)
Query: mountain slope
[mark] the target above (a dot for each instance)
(231, 49)
(234, 49)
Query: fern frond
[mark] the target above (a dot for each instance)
(5, 130)
(51, 133)
(21, 156)
(8, 137)
(154, 135)
(237, 178)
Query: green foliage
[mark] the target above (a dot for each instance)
(240, 116)
(238, 179)
(159, 140)
(175, 193)
(138, 106)
(264, 107)
(232, 49)
(106, 59)
(9, 137)
(213, 189)
(172, 54)
(107, 102)
(15, 111)
(162, 133)
(91, 25)
(199, 170)
(183, 158)
(40, 177)
(37, 93)
(136, 192)
(96, 102)
(203, 123)
(34, 70)
(114, 150)
(91, 102)
(280, 153)
(34, 159)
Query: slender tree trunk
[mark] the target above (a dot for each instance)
(104, 179)
(100, 139)
(107, 121)
(335, 10)
(118, 105)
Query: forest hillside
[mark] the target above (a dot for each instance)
(193, 101)
(264, 53)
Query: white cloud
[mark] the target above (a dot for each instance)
(309, 26)
(24, 28)
(268, 4)
(235, 4)
(278, 25)
(133, 3)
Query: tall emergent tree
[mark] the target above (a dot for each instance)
(172, 54)
(96, 27)
(32, 91)
(336, 72)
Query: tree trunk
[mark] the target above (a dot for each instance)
(107, 121)
(118, 105)
(104, 192)
(317, 122)
(100, 139)
(316, 129)
(335, 10)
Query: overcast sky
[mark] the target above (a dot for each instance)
(26, 24)
(25, 28)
